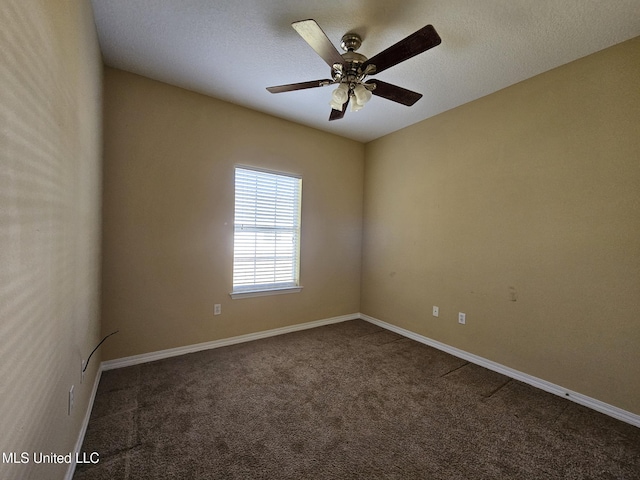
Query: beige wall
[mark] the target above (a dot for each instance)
(168, 217)
(533, 191)
(50, 177)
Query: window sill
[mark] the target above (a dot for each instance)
(264, 293)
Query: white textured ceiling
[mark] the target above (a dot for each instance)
(233, 50)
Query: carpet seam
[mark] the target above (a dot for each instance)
(455, 369)
(499, 388)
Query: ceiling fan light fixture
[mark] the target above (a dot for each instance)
(362, 94)
(335, 105)
(339, 96)
(355, 106)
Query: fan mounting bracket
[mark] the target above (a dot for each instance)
(350, 42)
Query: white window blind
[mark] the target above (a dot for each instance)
(266, 231)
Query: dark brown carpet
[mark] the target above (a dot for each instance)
(349, 400)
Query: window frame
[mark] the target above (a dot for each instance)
(276, 288)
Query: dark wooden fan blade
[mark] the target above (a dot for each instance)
(395, 93)
(318, 40)
(300, 86)
(414, 44)
(338, 114)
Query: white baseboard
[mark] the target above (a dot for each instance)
(576, 397)
(174, 352)
(83, 428)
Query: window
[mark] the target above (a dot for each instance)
(266, 239)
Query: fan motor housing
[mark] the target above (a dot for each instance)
(353, 57)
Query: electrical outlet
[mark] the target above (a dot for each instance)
(70, 401)
(462, 318)
(217, 309)
(436, 311)
(82, 364)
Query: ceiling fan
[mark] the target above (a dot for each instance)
(350, 69)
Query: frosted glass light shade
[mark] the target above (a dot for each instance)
(339, 96)
(362, 94)
(359, 98)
